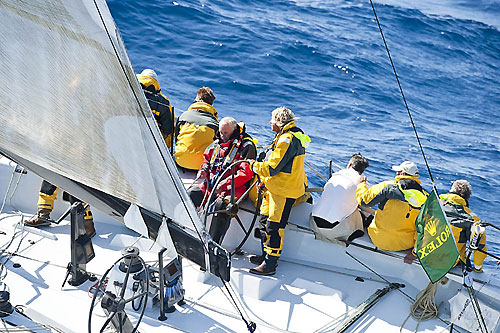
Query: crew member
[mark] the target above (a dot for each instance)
(46, 198)
(283, 175)
(399, 202)
(233, 144)
(461, 218)
(195, 130)
(158, 103)
(336, 215)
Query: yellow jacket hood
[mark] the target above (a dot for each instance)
(393, 227)
(414, 178)
(148, 81)
(454, 198)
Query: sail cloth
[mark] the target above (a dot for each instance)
(71, 106)
(436, 248)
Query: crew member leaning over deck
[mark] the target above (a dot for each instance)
(461, 218)
(284, 177)
(399, 202)
(158, 103)
(195, 130)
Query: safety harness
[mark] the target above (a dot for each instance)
(229, 158)
(413, 197)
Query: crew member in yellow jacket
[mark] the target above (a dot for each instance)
(461, 218)
(283, 175)
(195, 130)
(399, 202)
(158, 103)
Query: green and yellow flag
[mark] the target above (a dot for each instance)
(436, 248)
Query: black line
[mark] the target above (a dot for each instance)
(403, 95)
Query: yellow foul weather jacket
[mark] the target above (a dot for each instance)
(461, 219)
(283, 170)
(393, 227)
(160, 106)
(195, 131)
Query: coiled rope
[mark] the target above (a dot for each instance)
(425, 308)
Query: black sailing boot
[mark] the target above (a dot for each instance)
(257, 260)
(268, 267)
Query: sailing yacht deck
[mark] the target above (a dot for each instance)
(315, 286)
(298, 299)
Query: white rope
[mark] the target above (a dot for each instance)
(21, 173)
(424, 307)
(8, 189)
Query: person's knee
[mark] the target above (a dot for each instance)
(272, 227)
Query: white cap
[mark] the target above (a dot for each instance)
(407, 167)
(150, 73)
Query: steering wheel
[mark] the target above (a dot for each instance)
(234, 206)
(115, 304)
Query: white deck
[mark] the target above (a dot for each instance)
(314, 287)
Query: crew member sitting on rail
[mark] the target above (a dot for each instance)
(283, 175)
(233, 144)
(158, 103)
(461, 218)
(399, 202)
(195, 130)
(336, 215)
(46, 198)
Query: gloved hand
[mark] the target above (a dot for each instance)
(220, 188)
(202, 174)
(262, 156)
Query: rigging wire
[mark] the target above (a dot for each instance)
(21, 172)
(403, 95)
(3, 270)
(387, 281)
(315, 171)
(477, 309)
(249, 325)
(474, 300)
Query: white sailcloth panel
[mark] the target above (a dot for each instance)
(68, 105)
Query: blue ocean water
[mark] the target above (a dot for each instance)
(327, 62)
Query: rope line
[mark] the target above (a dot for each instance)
(316, 172)
(8, 189)
(403, 95)
(478, 315)
(477, 309)
(250, 325)
(387, 281)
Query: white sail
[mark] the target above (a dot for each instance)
(71, 104)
